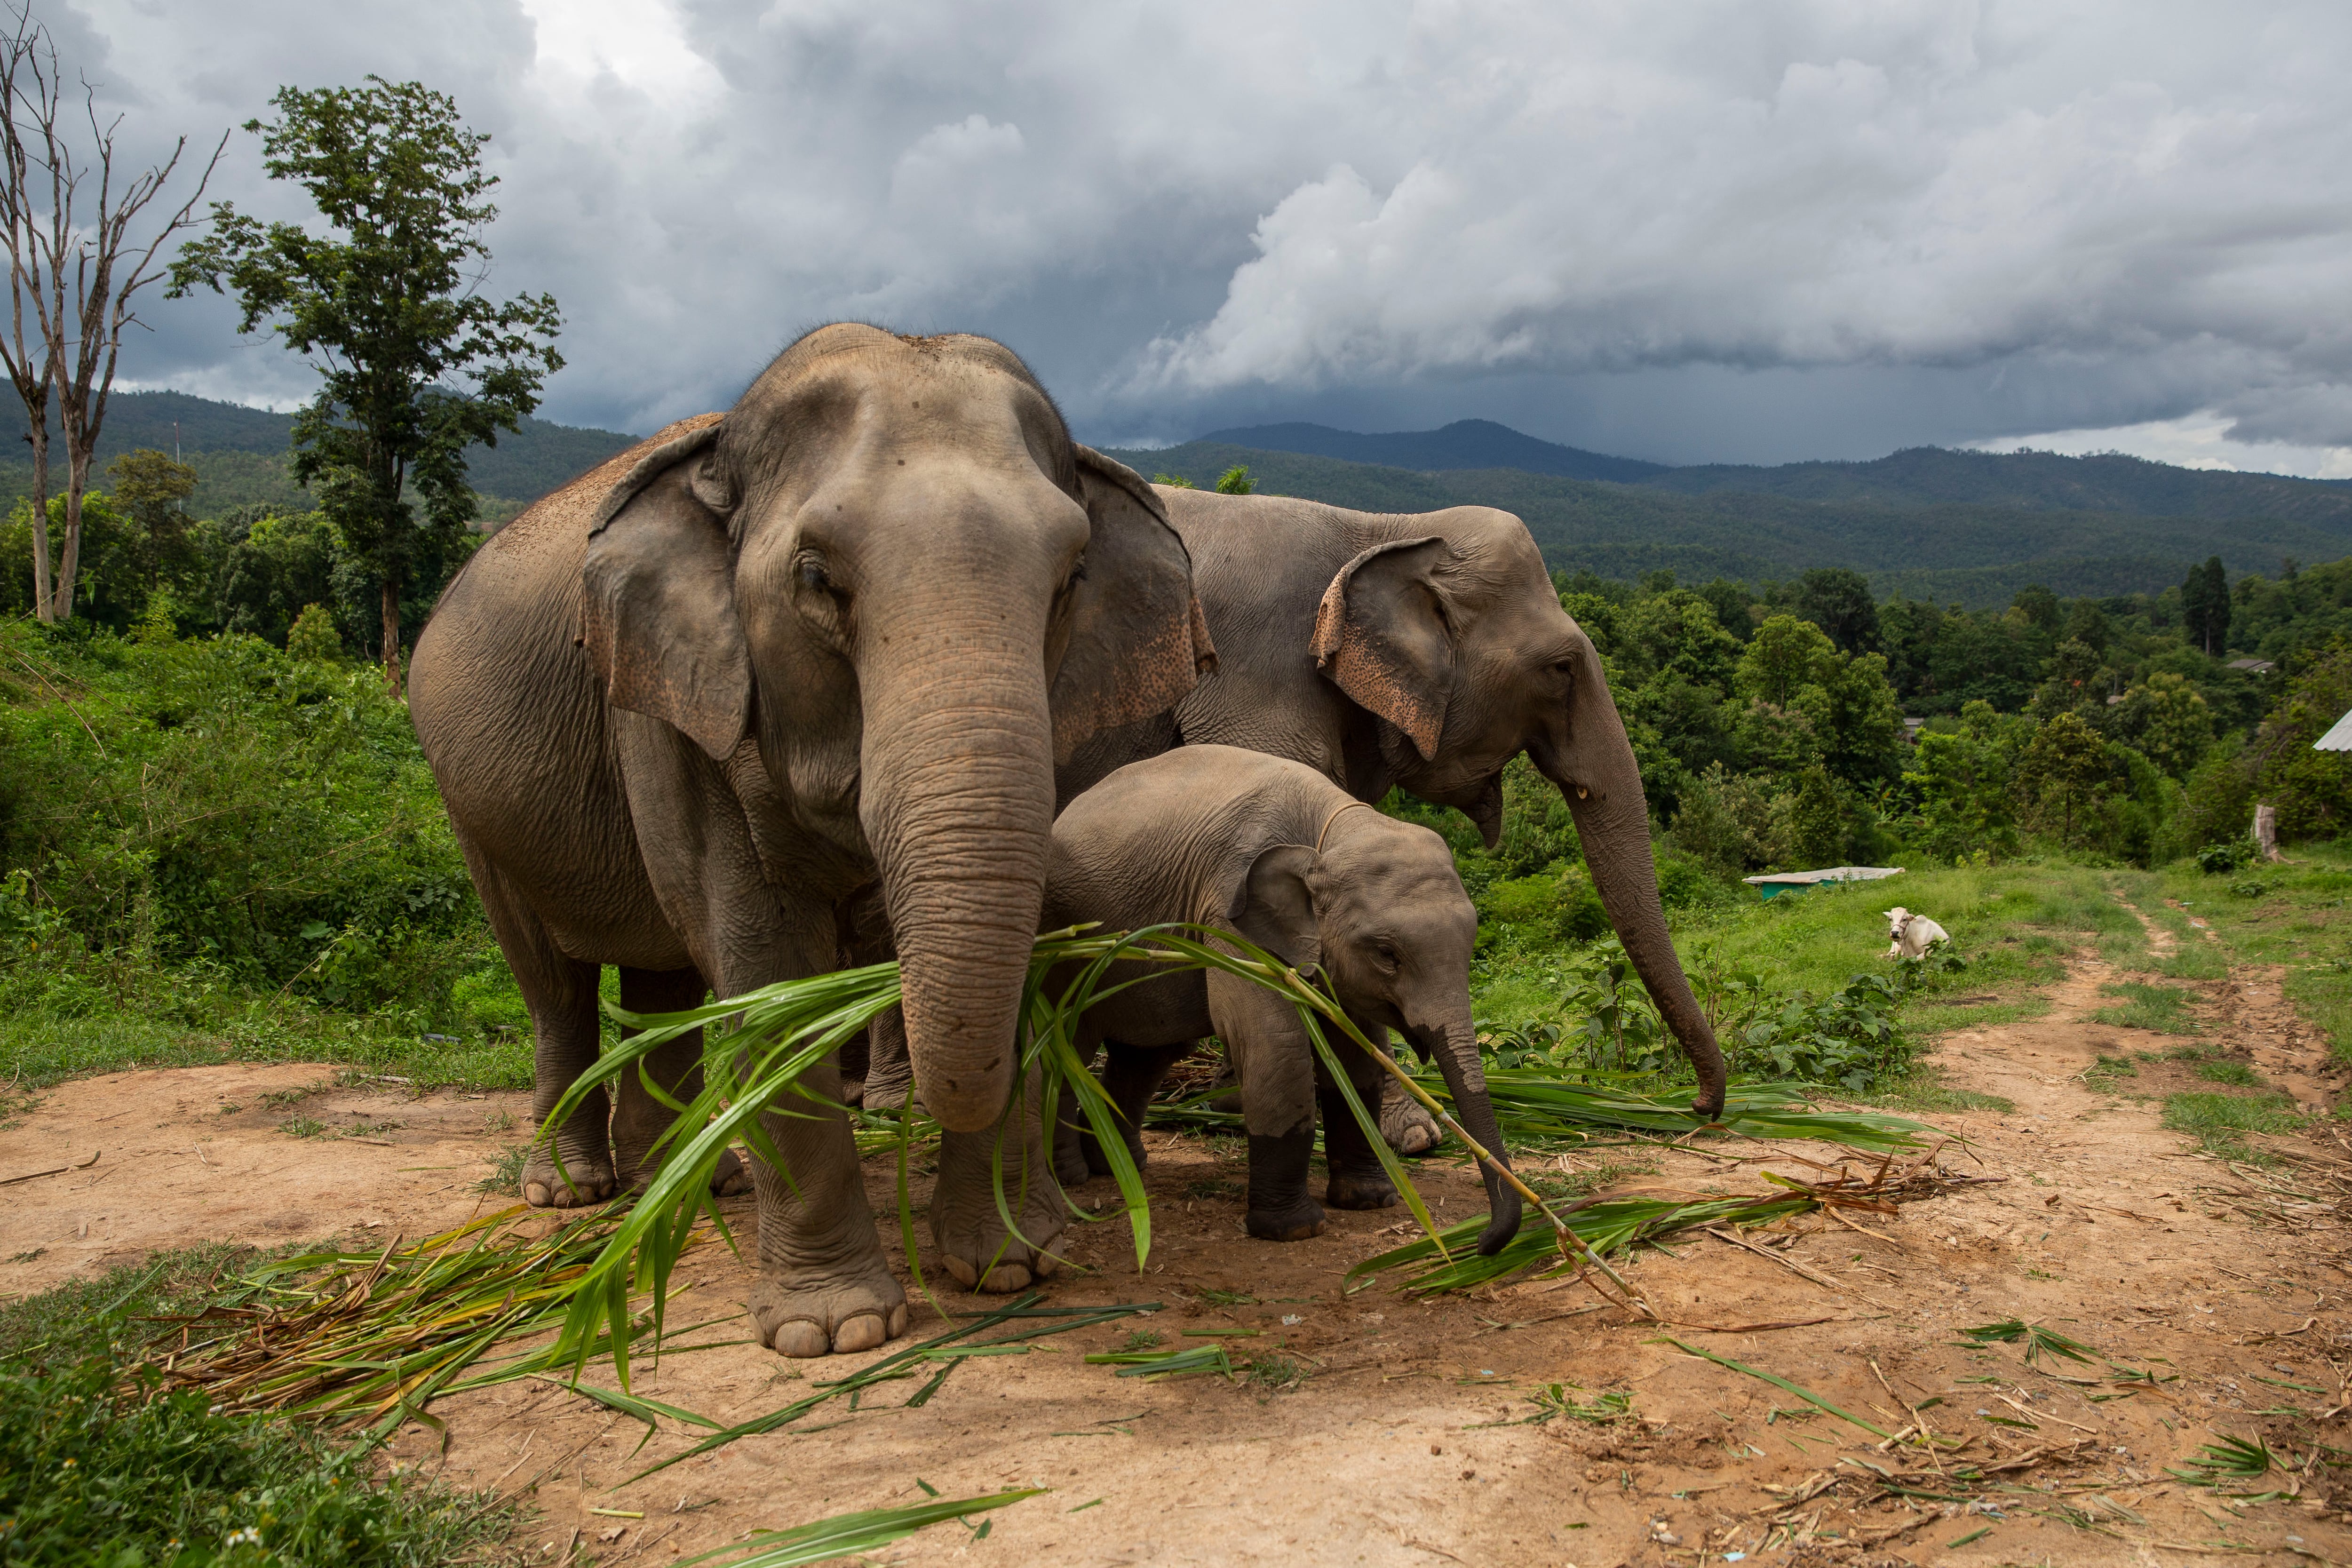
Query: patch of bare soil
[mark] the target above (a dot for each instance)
(260, 1154)
(1408, 1441)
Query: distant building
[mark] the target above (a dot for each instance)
(2251, 666)
(1911, 728)
(2338, 737)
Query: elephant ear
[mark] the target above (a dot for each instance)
(1136, 642)
(657, 598)
(1381, 636)
(1271, 905)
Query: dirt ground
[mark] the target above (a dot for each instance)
(1407, 1441)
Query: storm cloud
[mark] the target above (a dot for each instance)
(1720, 229)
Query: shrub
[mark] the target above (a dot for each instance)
(313, 638)
(220, 803)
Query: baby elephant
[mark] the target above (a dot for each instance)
(1273, 850)
(1911, 935)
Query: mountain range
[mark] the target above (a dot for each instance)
(1930, 523)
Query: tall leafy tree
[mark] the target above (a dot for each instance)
(1838, 600)
(2205, 605)
(415, 362)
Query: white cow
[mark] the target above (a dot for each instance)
(1913, 934)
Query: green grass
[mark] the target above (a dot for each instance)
(89, 1476)
(2226, 1071)
(2160, 1008)
(64, 1017)
(2303, 922)
(2221, 1121)
(1922, 1091)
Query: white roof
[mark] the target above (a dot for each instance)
(2337, 739)
(1855, 873)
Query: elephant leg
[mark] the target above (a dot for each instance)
(824, 1285)
(1276, 1063)
(1356, 1180)
(576, 1167)
(889, 1071)
(976, 1248)
(1072, 1136)
(638, 1118)
(1405, 1123)
(1131, 1075)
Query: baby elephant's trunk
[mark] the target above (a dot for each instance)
(1456, 1049)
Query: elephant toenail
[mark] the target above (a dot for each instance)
(861, 1332)
(535, 1194)
(1046, 1265)
(1004, 1278)
(964, 1273)
(897, 1320)
(801, 1339)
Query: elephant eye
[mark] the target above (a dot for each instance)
(812, 573)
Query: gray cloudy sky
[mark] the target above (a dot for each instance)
(1745, 230)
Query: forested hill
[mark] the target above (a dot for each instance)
(1918, 476)
(1949, 526)
(240, 452)
(1465, 444)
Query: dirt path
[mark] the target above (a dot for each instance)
(2108, 1229)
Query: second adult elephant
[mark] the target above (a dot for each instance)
(1422, 652)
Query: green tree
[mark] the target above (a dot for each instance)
(1173, 482)
(2064, 770)
(2168, 722)
(313, 638)
(415, 362)
(2037, 606)
(1236, 482)
(148, 489)
(1784, 657)
(1838, 600)
(1961, 780)
(2205, 605)
(2312, 789)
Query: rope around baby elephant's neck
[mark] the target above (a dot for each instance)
(1327, 821)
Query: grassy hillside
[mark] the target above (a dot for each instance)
(1975, 551)
(240, 452)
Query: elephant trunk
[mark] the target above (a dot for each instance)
(1456, 1050)
(1594, 769)
(957, 797)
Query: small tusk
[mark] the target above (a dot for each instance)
(1582, 793)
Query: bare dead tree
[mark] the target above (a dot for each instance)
(76, 259)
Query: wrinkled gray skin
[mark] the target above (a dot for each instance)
(1422, 651)
(686, 709)
(1228, 838)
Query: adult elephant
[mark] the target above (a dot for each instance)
(1424, 652)
(688, 707)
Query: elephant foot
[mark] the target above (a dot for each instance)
(591, 1179)
(1295, 1223)
(1099, 1163)
(975, 1248)
(1407, 1124)
(1070, 1165)
(814, 1313)
(1371, 1191)
(729, 1177)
